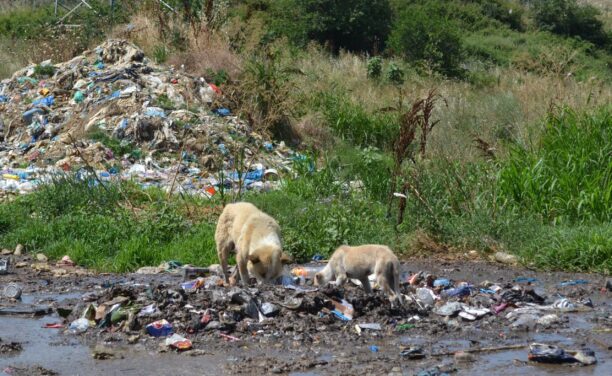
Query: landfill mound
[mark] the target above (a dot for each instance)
(62, 117)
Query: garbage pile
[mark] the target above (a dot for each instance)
(188, 315)
(113, 111)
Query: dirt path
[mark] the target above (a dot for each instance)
(304, 341)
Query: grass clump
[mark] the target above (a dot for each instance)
(118, 147)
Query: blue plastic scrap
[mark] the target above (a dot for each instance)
(155, 112)
(525, 280)
(46, 101)
(458, 291)
(222, 111)
(4, 99)
(374, 349)
(28, 115)
(574, 282)
(340, 315)
(441, 282)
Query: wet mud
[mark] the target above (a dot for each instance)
(301, 336)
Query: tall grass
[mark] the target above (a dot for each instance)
(97, 226)
(567, 176)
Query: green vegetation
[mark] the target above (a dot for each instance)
(516, 158)
(567, 177)
(95, 226)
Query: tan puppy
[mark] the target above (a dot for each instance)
(358, 263)
(256, 239)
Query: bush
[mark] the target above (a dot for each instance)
(354, 25)
(374, 67)
(566, 178)
(506, 11)
(422, 33)
(567, 17)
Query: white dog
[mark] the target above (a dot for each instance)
(256, 239)
(358, 263)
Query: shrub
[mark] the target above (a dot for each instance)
(506, 11)
(354, 25)
(395, 74)
(374, 67)
(422, 33)
(567, 17)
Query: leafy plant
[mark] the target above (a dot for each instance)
(395, 74)
(374, 67)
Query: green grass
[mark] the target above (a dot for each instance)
(118, 147)
(567, 176)
(88, 223)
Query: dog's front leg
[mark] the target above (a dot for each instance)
(365, 282)
(242, 268)
(341, 279)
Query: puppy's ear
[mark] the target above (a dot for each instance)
(253, 258)
(286, 259)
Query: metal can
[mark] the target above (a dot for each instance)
(12, 290)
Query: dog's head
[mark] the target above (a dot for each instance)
(266, 262)
(320, 279)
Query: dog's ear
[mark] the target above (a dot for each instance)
(253, 258)
(286, 259)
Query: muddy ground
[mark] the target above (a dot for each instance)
(306, 340)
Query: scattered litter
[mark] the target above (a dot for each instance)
(525, 280)
(404, 327)
(441, 282)
(448, 309)
(178, 342)
(79, 326)
(159, 328)
(374, 348)
(548, 354)
(343, 310)
(506, 258)
(12, 290)
(370, 326)
(413, 353)
(574, 282)
(229, 337)
(4, 266)
(54, 326)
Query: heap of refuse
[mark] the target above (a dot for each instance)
(161, 123)
(189, 314)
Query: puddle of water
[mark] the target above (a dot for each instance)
(553, 338)
(40, 298)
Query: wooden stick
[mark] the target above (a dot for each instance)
(483, 349)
